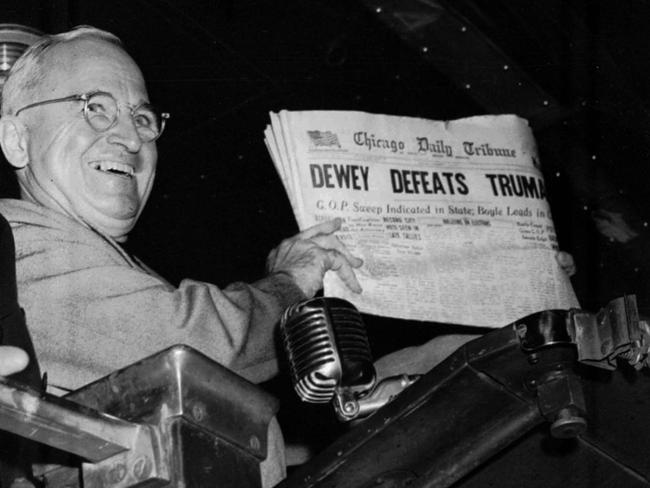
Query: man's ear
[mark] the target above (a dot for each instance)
(13, 139)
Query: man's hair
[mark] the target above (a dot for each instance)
(29, 71)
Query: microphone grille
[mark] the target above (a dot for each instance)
(308, 338)
(326, 343)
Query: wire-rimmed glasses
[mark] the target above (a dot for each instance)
(101, 110)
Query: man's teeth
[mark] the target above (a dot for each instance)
(114, 167)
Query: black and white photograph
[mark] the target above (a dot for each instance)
(324, 244)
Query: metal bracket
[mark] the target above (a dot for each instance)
(349, 405)
(615, 331)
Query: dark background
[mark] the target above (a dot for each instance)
(578, 70)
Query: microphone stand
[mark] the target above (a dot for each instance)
(354, 402)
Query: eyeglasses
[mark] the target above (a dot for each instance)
(101, 111)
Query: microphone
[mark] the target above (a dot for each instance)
(327, 346)
(330, 359)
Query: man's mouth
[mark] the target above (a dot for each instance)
(113, 167)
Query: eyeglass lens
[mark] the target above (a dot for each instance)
(101, 112)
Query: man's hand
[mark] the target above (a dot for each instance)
(12, 360)
(308, 255)
(565, 260)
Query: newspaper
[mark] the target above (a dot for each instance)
(449, 217)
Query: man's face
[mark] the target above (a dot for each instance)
(102, 178)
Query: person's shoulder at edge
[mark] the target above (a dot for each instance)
(24, 211)
(23, 214)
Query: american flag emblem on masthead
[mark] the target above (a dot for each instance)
(323, 138)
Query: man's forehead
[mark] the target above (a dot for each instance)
(89, 64)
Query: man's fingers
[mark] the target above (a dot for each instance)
(326, 227)
(566, 262)
(341, 266)
(323, 235)
(308, 255)
(333, 242)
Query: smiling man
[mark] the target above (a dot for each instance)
(78, 127)
(99, 170)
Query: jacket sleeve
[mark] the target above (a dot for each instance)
(90, 315)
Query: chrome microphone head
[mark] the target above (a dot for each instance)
(327, 346)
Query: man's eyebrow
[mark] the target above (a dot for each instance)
(140, 103)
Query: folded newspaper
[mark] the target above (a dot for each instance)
(450, 217)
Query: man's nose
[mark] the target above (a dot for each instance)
(125, 134)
